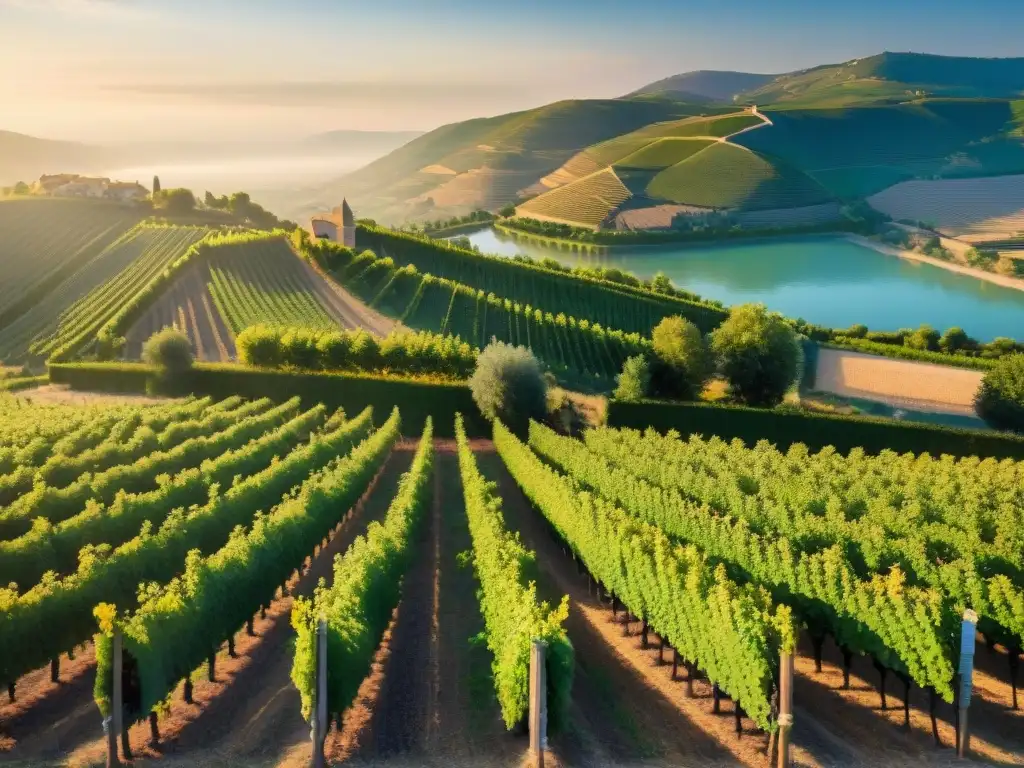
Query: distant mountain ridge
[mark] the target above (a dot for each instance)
(25, 158)
(883, 78)
(710, 84)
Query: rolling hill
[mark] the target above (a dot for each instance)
(486, 162)
(710, 84)
(858, 151)
(692, 164)
(26, 158)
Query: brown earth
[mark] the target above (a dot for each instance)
(900, 383)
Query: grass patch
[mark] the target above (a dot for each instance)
(726, 176)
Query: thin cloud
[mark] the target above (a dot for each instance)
(80, 7)
(327, 93)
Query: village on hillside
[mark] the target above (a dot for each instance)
(74, 185)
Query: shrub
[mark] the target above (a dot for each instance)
(168, 349)
(1000, 399)
(758, 353)
(924, 338)
(684, 362)
(404, 352)
(635, 379)
(260, 347)
(955, 339)
(508, 384)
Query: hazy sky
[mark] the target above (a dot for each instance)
(156, 69)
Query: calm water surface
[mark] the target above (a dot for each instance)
(826, 280)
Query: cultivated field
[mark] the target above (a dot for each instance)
(900, 383)
(663, 153)
(585, 203)
(628, 149)
(970, 209)
(726, 176)
(73, 312)
(672, 662)
(240, 285)
(46, 241)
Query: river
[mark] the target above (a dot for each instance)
(826, 280)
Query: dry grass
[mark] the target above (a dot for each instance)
(901, 383)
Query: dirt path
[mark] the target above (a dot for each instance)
(63, 394)
(346, 308)
(855, 716)
(430, 699)
(899, 383)
(46, 718)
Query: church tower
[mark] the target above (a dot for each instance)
(348, 226)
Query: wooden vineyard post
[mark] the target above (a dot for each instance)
(319, 719)
(785, 707)
(967, 637)
(112, 724)
(538, 702)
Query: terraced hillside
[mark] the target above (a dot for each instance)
(858, 151)
(73, 312)
(497, 156)
(726, 176)
(585, 203)
(243, 284)
(621, 150)
(45, 241)
(973, 209)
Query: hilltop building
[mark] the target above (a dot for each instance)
(338, 226)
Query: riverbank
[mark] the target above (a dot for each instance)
(960, 269)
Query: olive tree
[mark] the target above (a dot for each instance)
(508, 384)
(758, 354)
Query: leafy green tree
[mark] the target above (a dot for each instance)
(507, 211)
(661, 284)
(175, 201)
(1000, 399)
(956, 339)
(635, 379)
(21, 188)
(924, 338)
(508, 384)
(758, 354)
(156, 185)
(168, 349)
(683, 362)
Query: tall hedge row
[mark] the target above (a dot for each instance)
(786, 427)
(352, 392)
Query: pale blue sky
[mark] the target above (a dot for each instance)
(114, 69)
